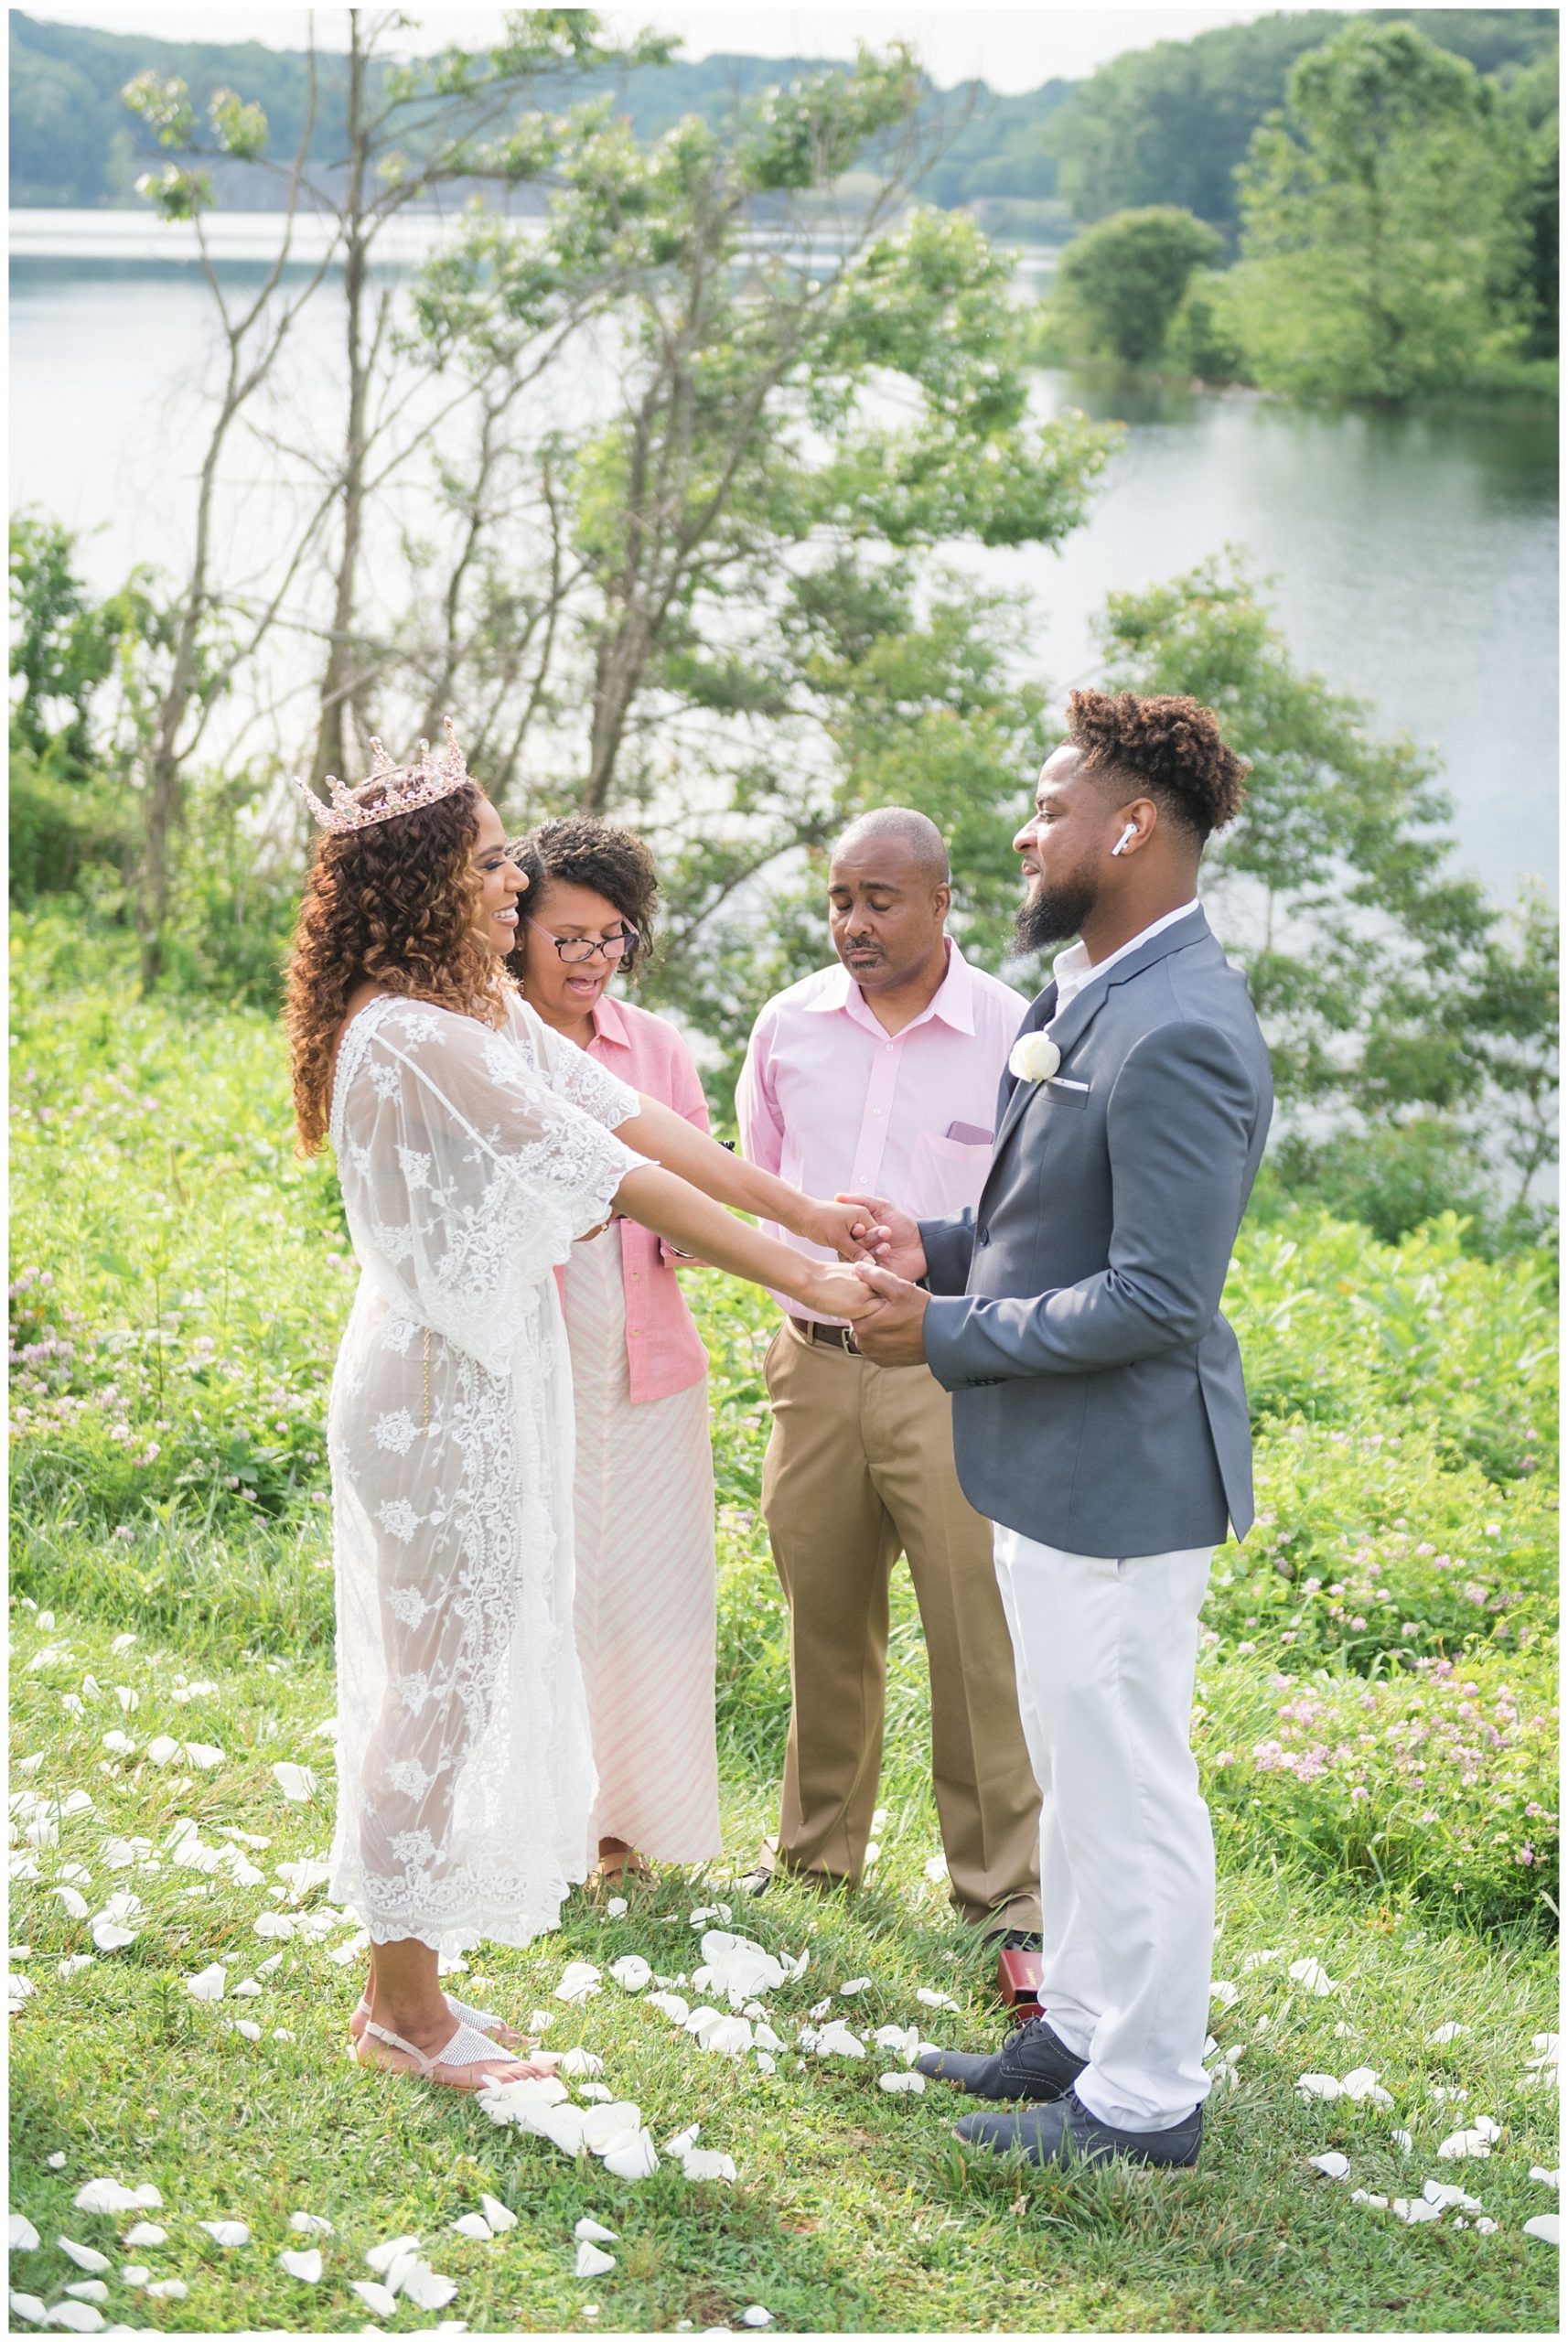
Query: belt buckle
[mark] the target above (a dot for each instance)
(845, 1335)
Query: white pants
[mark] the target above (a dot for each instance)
(1106, 1652)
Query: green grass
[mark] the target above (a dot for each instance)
(1375, 1724)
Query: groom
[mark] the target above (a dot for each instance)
(1098, 1415)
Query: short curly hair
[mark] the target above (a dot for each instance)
(581, 852)
(1168, 743)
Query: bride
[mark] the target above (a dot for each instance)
(473, 1146)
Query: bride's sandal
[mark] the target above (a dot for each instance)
(616, 1873)
(482, 2020)
(467, 2062)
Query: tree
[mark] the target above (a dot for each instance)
(1394, 993)
(710, 571)
(1121, 283)
(1374, 211)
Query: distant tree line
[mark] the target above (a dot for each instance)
(1398, 236)
(1166, 124)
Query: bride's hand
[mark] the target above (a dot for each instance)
(846, 1227)
(835, 1291)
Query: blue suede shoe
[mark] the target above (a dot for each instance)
(1068, 2133)
(1032, 2063)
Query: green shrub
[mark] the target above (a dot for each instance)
(1436, 1785)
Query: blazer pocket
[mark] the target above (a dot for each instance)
(1067, 1092)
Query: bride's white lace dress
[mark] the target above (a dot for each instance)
(469, 1160)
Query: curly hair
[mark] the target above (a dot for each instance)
(1168, 744)
(581, 852)
(395, 903)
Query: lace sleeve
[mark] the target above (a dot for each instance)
(573, 1075)
(466, 1174)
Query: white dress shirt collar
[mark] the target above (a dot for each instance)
(1073, 968)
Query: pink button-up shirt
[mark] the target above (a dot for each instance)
(836, 1106)
(665, 1351)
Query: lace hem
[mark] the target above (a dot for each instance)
(513, 1912)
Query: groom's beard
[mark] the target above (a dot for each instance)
(1050, 915)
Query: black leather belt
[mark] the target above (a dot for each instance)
(836, 1338)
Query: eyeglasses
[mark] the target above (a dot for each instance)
(574, 949)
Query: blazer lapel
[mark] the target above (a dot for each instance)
(1070, 1028)
(1040, 1011)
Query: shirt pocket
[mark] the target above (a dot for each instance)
(946, 1175)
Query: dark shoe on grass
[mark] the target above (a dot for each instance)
(1012, 1939)
(1032, 2063)
(1069, 2132)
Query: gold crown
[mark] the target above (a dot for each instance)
(404, 788)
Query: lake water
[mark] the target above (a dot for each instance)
(1413, 560)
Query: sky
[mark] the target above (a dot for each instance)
(1013, 49)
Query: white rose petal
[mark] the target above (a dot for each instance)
(893, 2083)
(498, 2217)
(757, 2316)
(592, 2263)
(86, 2256)
(1333, 2165)
(579, 1982)
(380, 2257)
(1552, 2178)
(927, 1999)
(1449, 2199)
(1223, 1991)
(1314, 1976)
(1413, 2212)
(202, 1755)
(632, 1973)
(91, 2289)
(670, 2004)
(226, 2234)
(135, 2274)
(1361, 2196)
(426, 2287)
(856, 1984)
(592, 2232)
(1363, 2084)
(1402, 2140)
(703, 2164)
(305, 2266)
(168, 2289)
(110, 1936)
(80, 2316)
(376, 2298)
(145, 2233)
(616, 1907)
(580, 2062)
(1447, 2031)
(28, 2307)
(473, 2225)
(163, 1750)
(1472, 2146)
(23, 2236)
(208, 1985)
(1323, 2086)
(297, 1783)
(637, 2158)
(936, 1868)
(1544, 2225)
(110, 2196)
(243, 2026)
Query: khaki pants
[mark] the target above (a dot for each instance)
(860, 1466)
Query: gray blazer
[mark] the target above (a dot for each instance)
(1097, 1399)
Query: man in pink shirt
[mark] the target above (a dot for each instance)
(880, 1077)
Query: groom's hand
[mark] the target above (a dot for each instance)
(893, 1335)
(899, 1248)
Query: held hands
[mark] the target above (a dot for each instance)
(894, 1241)
(848, 1227)
(835, 1291)
(895, 1333)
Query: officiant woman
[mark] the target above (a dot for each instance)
(644, 1486)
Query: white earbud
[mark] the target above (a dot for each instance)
(1125, 840)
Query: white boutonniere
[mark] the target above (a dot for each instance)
(1034, 1058)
